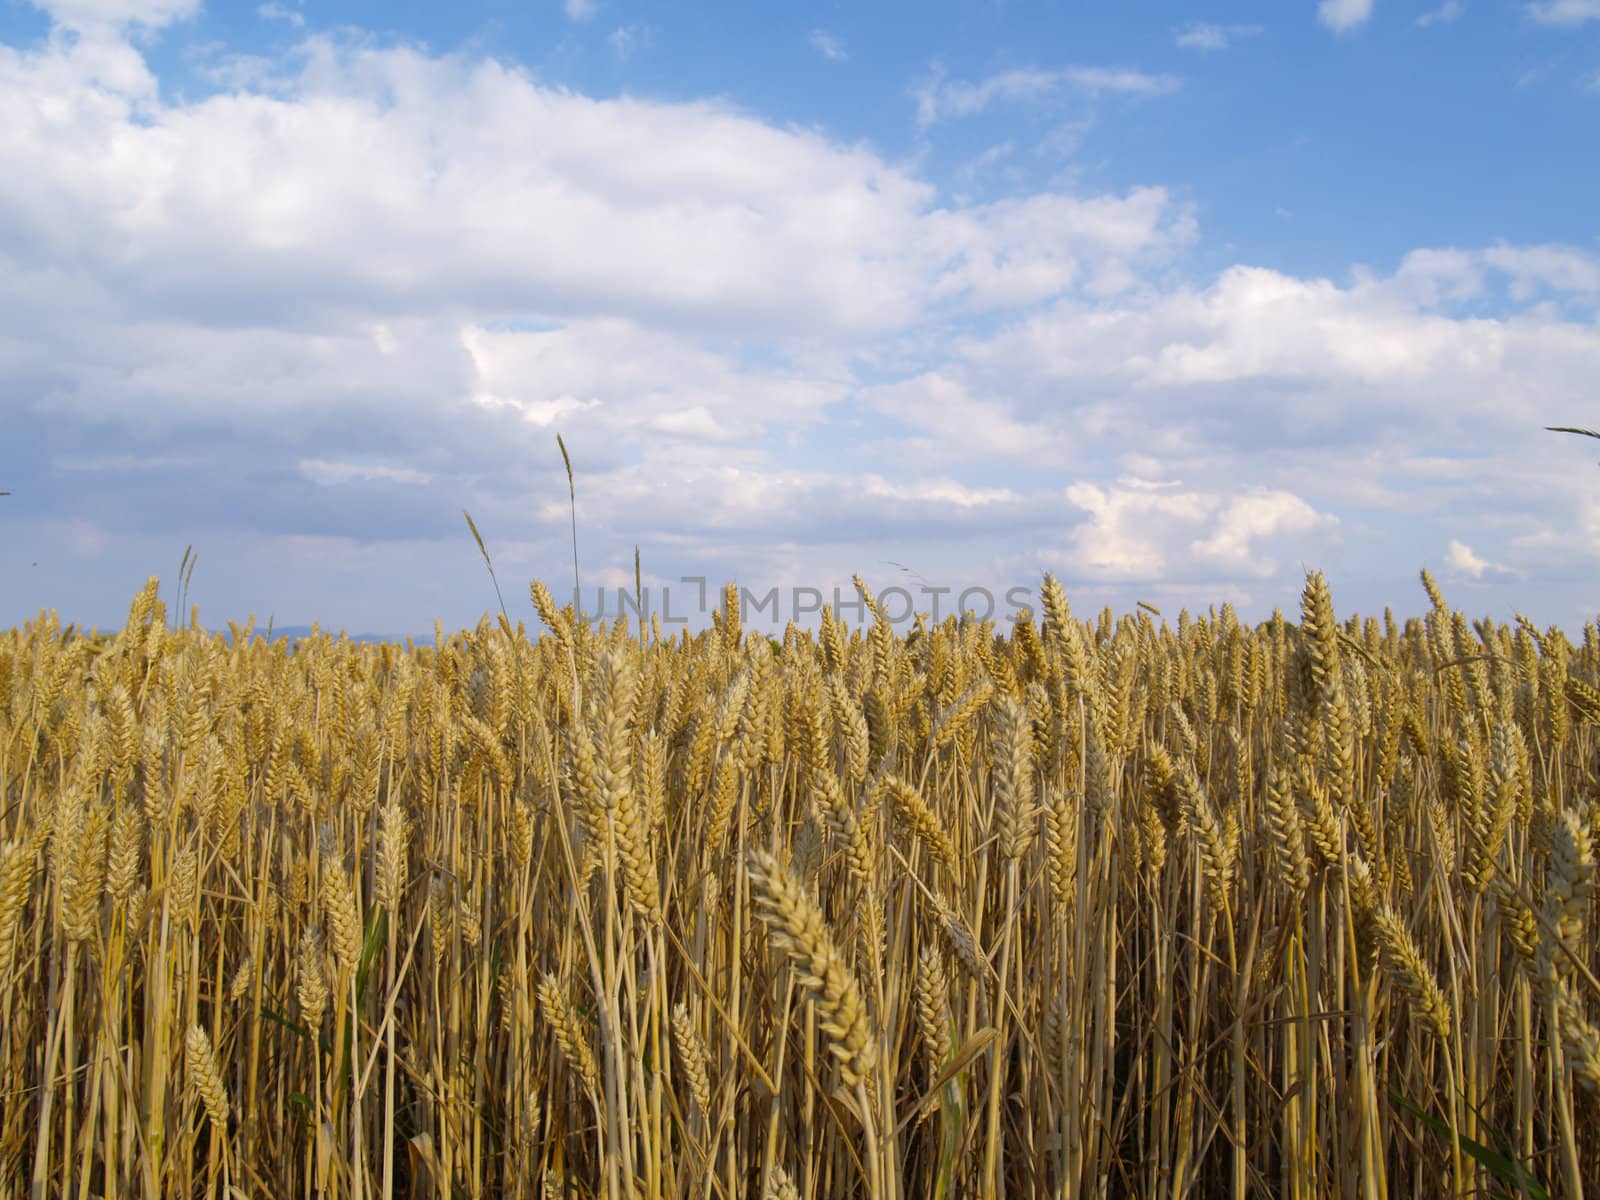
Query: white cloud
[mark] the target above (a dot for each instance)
(1435, 276)
(1447, 13)
(722, 501)
(1012, 253)
(1261, 326)
(388, 269)
(1136, 531)
(383, 338)
(1129, 529)
(825, 44)
(1564, 12)
(1246, 519)
(273, 11)
(1099, 80)
(469, 180)
(1558, 268)
(1464, 560)
(940, 99)
(612, 377)
(1207, 36)
(321, 471)
(695, 422)
(115, 15)
(543, 413)
(948, 421)
(580, 10)
(937, 491)
(1298, 386)
(1341, 16)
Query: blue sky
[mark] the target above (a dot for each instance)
(1174, 302)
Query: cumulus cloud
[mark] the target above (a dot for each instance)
(250, 275)
(1136, 531)
(1207, 36)
(771, 353)
(1532, 269)
(1125, 534)
(1323, 396)
(1013, 253)
(1244, 521)
(1293, 337)
(1462, 559)
(1342, 16)
(611, 374)
(471, 183)
(944, 418)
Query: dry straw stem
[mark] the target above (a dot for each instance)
(797, 929)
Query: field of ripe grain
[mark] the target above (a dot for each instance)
(1063, 908)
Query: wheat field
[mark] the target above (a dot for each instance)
(1063, 908)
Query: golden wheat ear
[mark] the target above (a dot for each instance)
(798, 929)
